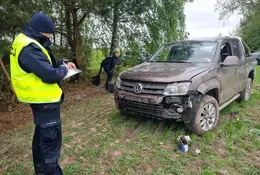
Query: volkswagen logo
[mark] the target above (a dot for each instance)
(138, 88)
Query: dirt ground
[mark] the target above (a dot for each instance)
(21, 113)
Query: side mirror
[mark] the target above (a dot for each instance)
(230, 61)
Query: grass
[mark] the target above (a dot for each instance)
(257, 78)
(98, 140)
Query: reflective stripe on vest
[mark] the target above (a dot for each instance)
(27, 86)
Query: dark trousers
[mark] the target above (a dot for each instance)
(47, 139)
(46, 148)
(109, 78)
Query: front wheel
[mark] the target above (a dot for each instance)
(207, 116)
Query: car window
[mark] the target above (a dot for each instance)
(235, 48)
(246, 49)
(186, 51)
(225, 51)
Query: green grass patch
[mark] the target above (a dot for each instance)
(257, 77)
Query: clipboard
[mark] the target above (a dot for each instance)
(72, 72)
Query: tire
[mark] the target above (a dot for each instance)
(210, 121)
(246, 93)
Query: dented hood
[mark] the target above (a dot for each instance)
(164, 72)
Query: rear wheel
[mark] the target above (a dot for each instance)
(246, 93)
(207, 116)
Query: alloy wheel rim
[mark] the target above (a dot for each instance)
(208, 116)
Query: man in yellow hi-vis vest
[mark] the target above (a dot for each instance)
(35, 75)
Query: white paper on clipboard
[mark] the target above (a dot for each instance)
(72, 72)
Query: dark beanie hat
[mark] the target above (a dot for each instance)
(42, 23)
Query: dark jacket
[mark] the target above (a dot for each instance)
(33, 60)
(109, 63)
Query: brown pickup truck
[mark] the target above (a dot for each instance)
(189, 81)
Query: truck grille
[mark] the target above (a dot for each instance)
(148, 88)
(149, 109)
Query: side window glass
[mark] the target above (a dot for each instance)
(246, 48)
(235, 47)
(225, 51)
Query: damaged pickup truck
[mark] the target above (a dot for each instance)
(189, 81)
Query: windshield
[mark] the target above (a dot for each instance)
(187, 51)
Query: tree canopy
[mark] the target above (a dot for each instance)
(104, 24)
(249, 27)
(86, 30)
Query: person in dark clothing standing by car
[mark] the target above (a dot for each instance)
(108, 65)
(35, 75)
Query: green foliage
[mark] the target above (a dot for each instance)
(4, 48)
(61, 52)
(228, 7)
(165, 22)
(14, 14)
(97, 56)
(82, 26)
(249, 28)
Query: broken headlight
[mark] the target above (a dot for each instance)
(177, 89)
(118, 83)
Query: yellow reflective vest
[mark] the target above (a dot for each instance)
(27, 86)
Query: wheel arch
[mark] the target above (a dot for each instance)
(211, 88)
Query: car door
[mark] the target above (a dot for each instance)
(242, 70)
(226, 75)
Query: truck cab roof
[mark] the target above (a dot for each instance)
(207, 39)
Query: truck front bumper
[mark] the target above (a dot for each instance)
(157, 106)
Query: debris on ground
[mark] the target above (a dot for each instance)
(183, 143)
(236, 116)
(255, 131)
(197, 151)
(222, 172)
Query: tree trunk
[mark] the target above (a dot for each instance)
(61, 16)
(69, 32)
(114, 28)
(61, 38)
(76, 35)
(10, 99)
(68, 28)
(54, 39)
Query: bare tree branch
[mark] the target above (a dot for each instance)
(82, 18)
(228, 7)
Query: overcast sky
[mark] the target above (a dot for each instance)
(202, 20)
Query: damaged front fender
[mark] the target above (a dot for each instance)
(190, 113)
(208, 85)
